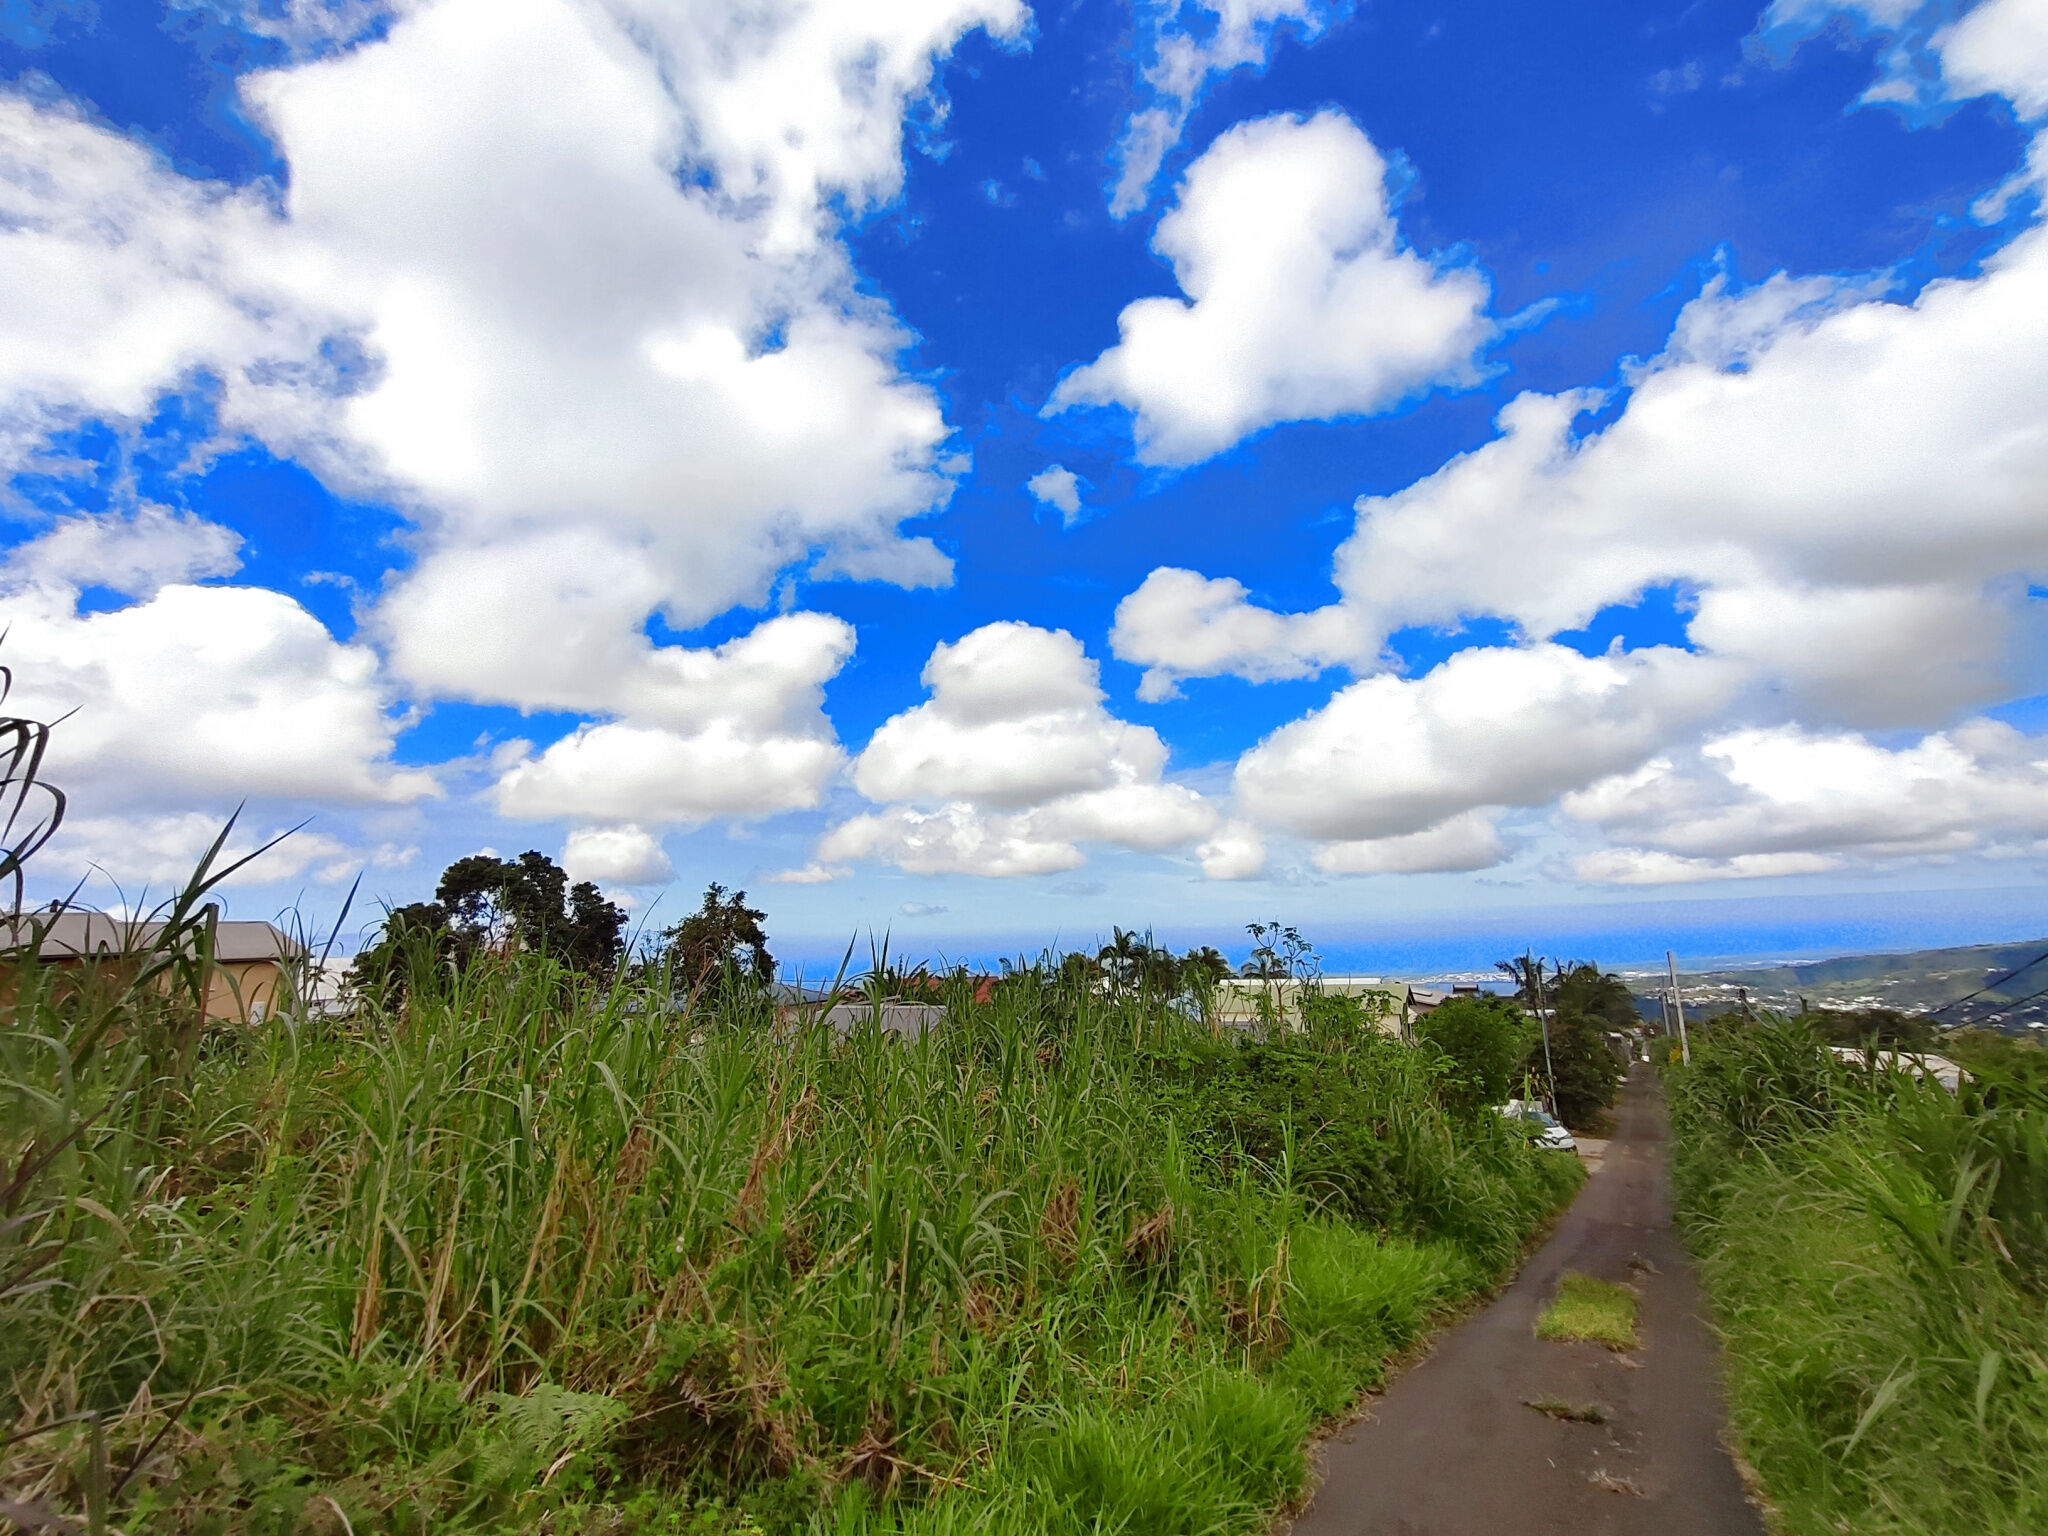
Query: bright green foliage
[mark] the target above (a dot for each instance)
(1876, 1251)
(486, 903)
(537, 1253)
(1577, 1072)
(721, 946)
(1590, 1308)
(1597, 995)
(1586, 1074)
(1997, 1058)
(1483, 1041)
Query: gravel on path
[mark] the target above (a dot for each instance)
(1453, 1449)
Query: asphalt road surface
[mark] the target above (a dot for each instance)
(1453, 1450)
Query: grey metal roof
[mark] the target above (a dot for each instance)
(77, 935)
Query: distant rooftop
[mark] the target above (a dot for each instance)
(79, 935)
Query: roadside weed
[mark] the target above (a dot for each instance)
(1586, 1308)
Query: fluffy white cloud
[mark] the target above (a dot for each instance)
(952, 840)
(151, 855)
(1190, 43)
(1015, 719)
(1470, 840)
(1180, 623)
(1493, 726)
(1929, 58)
(2000, 48)
(1761, 801)
(618, 769)
(1059, 487)
(1011, 764)
(735, 730)
(1302, 304)
(1850, 487)
(1150, 817)
(1236, 852)
(134, 555)
(1647, 866)
(616, 855)
(194, 692)
(122, 277)
(1853, 502)
(807, 874)
(561, 279)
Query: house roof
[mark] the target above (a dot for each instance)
(77, 935)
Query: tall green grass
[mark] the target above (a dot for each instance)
(533, 1254)
(1876, 1251)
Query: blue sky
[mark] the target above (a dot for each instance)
(988, 472)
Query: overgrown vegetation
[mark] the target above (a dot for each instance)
(1589, 1308)
(1876, 1250)
(515, 1246)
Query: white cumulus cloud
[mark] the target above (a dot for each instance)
(1185, 45)
(952, 840)
(1302, 302)
(149, 855)
(1060, 488)
(562, 281)
(1469, 840)
(1181, 623)
(1237, 851)
(738, 730)
(193, 693)
(1011, 765)
(1774, 800)
(616, 855)
(1388, 756)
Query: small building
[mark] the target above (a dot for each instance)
(254, 963)
(1244, 1001)
(1921, 1064)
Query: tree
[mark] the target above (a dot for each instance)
(1205, 967)
(1597, 994)
(1588, 1073)
(487, 903)
(1133, 963)
(1583, 1074)
(722, 944)
(1885, 1029)
(1280, 953)
(592, 938)
(1526, 971)
(1483, 1041)
(417, 943)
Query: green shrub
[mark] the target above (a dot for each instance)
(1483, 1041)
(1874, 1250)
(523, 1251)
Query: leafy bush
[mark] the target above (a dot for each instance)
(1585, 1073)
(532, 1251)
(1876, 1250)
(1483, 1041)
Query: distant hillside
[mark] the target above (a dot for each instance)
(1915, 982)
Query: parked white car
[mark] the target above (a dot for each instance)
(1543, 1127)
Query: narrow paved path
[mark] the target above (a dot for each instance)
(1453, 1450)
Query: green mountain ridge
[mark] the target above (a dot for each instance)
(1917, 981)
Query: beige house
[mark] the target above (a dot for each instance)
(1243, 1001)
(255, 965)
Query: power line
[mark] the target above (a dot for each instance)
(2009, 1007)
(1992, 985)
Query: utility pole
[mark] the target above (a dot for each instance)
(1678, 1002)
(1535, 970)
